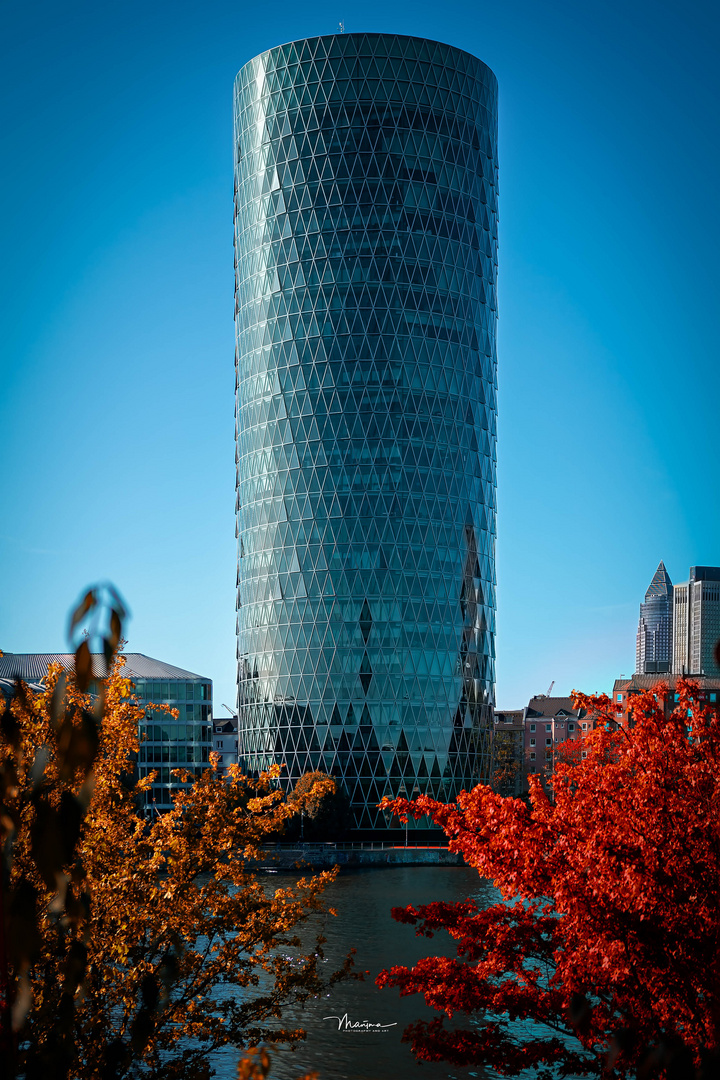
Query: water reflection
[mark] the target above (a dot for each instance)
(363, 899)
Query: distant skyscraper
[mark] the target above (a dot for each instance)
(366, 260)
(696, 622)
(653, 652)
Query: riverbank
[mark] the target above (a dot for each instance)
(324, 856)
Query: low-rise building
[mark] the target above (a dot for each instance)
(225, 742)
(625, 689)
(166, 742)
(508, 776)
(548, 723)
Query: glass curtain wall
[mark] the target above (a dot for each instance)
(167, 743)
(366, 265)
(653, 650)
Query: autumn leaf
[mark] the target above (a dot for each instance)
(120, 931)
(606, 936)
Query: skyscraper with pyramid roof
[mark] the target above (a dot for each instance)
(366, 267)
(653, 651)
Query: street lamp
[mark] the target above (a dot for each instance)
(415, 793)
(402, 792)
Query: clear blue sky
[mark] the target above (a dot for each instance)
(116, 342)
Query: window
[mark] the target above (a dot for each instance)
(548, 727)
(532, 756)
(619, 697)
(532, 727)
(571, 727)
(532, 742)
(584, 753)
(548, 742)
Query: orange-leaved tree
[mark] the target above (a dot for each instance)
(606, 942)
(136, 948)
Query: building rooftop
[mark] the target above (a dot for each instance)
(225, 727)
(32, 667)
(705, 573)
(552, 706)
(508, 716)
(648, 682)
(661, 585)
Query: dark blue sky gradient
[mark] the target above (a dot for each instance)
(116, 339)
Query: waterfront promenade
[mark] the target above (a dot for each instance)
(365, 853)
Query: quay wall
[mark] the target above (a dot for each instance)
(325, 856)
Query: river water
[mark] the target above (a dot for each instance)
(363, 899)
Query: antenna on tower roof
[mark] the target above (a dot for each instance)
(341, 27)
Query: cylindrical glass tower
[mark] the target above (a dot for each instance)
(366, 266)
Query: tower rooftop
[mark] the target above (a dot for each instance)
(661, 585)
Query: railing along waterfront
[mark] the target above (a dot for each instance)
(356, 845)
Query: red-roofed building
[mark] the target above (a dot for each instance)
(625, 689)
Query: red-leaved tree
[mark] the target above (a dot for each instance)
(603, 956)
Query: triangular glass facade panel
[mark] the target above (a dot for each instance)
(366, 386)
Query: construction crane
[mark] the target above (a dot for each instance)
(550, 688)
